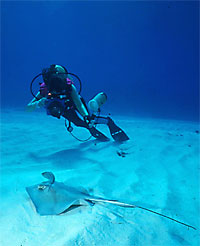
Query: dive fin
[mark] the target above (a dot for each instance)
(97, 134)
(117, 133)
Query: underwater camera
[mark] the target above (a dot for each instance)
(55, 107)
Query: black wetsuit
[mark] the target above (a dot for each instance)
(66, 108)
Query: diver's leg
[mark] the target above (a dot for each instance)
(116, 132)
(72, 116)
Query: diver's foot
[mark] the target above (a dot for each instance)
(98, 135)
(117, 133)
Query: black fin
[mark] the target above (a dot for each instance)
(97, 134)
(117, 133)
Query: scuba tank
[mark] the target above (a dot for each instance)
(95, 103)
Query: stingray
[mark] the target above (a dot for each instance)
(54, 198)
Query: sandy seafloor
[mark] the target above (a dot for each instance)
(160, 171)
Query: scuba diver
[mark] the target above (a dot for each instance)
(60, 97)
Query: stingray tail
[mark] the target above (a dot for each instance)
(114, 202)
(126, 205)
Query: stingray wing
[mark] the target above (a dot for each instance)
(52, 199)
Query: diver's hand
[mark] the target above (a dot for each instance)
(41, 102)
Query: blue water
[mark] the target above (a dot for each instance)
(144, 55)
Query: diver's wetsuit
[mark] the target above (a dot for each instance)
(73, 117)
(65, 101)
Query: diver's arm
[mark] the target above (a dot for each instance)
(34, 104)
(77, 101)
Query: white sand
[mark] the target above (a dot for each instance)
(160, 172)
